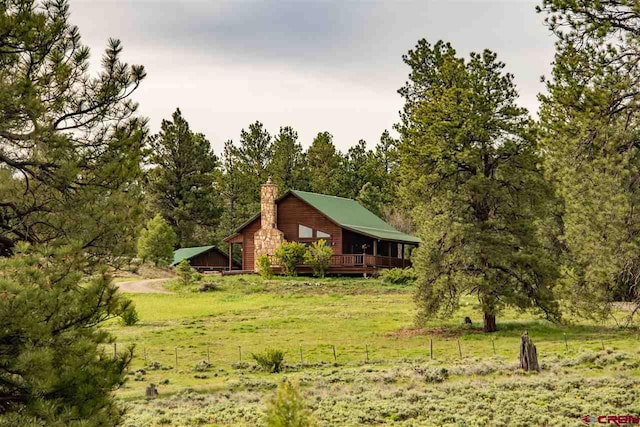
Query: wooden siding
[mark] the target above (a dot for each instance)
(248, 246)
(293, 211)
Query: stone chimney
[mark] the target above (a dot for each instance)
(268, 211)
(267, 239)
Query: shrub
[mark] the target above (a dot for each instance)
(208, 286)
(271, 360)
(435, 375)
(290, 254)
(398, 276)
(197, 277)
(202, 366)
(129, 316)
(319, 257)
(288, 409)
(264, 267)
(184, 272)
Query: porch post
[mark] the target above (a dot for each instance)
(375, 247)
(230, 256)
(402, 254)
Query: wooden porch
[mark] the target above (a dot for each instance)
(352, 264)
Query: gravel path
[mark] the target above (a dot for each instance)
(147, 286)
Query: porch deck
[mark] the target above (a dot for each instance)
(353, 264)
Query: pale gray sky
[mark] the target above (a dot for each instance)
(314, 65)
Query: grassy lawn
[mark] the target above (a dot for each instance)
(362, 318)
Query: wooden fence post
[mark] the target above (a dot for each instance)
(335, 358)
(566, 344)
(493, 343)
(240, 353)
(431, 348)
(301, 355)
(115, 350)
(459, 349)
(208, 355)
(176, 349)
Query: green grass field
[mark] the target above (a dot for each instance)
(380, 356)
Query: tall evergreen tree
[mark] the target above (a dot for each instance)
(254, 154)
(469, 166)
(591, 120)
(70, 144)
(183, 185)
(323, 164)
(70, 152)
(237, 191)
(361, 166)
(287, 166)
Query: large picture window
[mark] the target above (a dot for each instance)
(305, 232)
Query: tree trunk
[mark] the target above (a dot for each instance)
(489, 323)
(528, 354)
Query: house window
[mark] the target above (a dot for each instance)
(322, 235)
(305, 232)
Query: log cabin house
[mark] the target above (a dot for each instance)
(203, 258)
(362, 243)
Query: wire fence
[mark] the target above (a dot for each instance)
(448, 350)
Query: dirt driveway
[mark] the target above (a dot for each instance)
(146, 286)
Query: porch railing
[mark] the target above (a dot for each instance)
(360, 260)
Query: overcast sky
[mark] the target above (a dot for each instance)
(313, 65)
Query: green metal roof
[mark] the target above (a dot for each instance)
(188, 253)
(351, 215)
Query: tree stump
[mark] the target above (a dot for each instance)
(528, 354)
(152, 391)
(467, 320)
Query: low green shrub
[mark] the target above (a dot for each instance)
(264, 267)
(290, 254)
(319, 257)
(398, 276)
(270, 360)
(129, 316)
(288, 409)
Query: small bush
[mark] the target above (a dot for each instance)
(264, 267)
(129, 316)
(290, 254)
(319, 257)
(202, 366)
(271, 360)
(208, 287)
(197, 277)
(288, 409)
(398, 276)
(184, 272)
(435, 375)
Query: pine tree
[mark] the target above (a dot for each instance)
(469, 166)
(590, 116)
(55, 369)
(70, 143)
(287, 166)
(254, 154)
(184, 182)
(323, 164)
